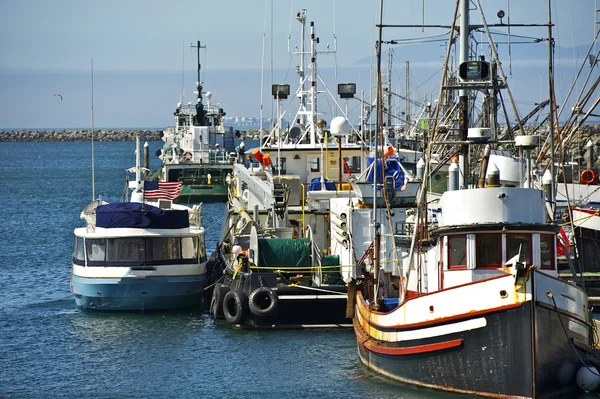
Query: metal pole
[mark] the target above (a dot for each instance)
(551, 116)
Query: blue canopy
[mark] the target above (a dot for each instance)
(135, 214)
(315, 184)
(391, 168)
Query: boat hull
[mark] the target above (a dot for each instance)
(302, 308)
(520, 351)
(131, 294)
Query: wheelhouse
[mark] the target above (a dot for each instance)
(482, 252)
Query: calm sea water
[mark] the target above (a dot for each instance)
(50, 349)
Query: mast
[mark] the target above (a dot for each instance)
(200, 113)
(551, 104)
(313, 83)
(375, 144)
(93, 162)
(407, 115)
(389, 92)
(463, 94)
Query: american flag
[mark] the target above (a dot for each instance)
(162, 190)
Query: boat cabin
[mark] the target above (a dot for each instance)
(137, 251)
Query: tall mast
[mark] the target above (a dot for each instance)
(301, 71)
(200, 114)
(375, 159)
(313, 83)
(407, 115)
(389, 88)
(551, 105)
(463, 95)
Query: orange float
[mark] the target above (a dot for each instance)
(257, 154)
(587, 176)
(266, 159)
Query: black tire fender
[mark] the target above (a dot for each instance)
(263, 302)
(216, 303)
(235, 306)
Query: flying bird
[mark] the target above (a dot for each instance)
(56, 94)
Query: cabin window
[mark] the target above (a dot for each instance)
(314, 164)
(547, 252)
(174, 175)
(79, 251)
(202, 250)
(457, 252)
(189, 248)
(163, 248)
(516, 243)
(96, 249)
(125, 250)
(488, 250)
(280, 162)
(353, 164)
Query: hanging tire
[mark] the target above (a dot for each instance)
(235, 307)
(216, 303)
(263, 302)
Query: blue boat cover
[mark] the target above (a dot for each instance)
(392, 168)
(135, 214)
(315, 184)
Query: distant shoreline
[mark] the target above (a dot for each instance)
(58, 135)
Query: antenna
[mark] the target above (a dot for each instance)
(93, 179)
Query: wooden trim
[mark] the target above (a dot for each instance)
(563, 312)
(582, 345)
(363, 305)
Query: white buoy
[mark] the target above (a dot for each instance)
(588, 378)
(420, 168)
(453, 176)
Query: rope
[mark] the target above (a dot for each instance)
(567, 335)
(213, 284)
(316, 289)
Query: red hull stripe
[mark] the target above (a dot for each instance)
(385, 349)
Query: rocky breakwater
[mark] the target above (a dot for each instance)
(79, 135)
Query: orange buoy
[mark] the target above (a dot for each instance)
(266, 158)
(257, 154)
(587, 176)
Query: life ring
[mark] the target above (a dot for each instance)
(235, 306)
(187, 156)
(263, 302)
(216, 303)
(587, 176)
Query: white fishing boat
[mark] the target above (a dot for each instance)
(463, 295)
(144, 254)
(276, 236)
(199, 151)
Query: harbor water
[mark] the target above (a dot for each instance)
(51, 349)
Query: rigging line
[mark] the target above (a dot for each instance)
(511, 35)
(441, 35)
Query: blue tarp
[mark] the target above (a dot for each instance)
(135, 214)
(392, 168)
(315, 184)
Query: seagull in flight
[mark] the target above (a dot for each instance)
(56, 94)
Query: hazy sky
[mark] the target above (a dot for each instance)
(139, 46)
